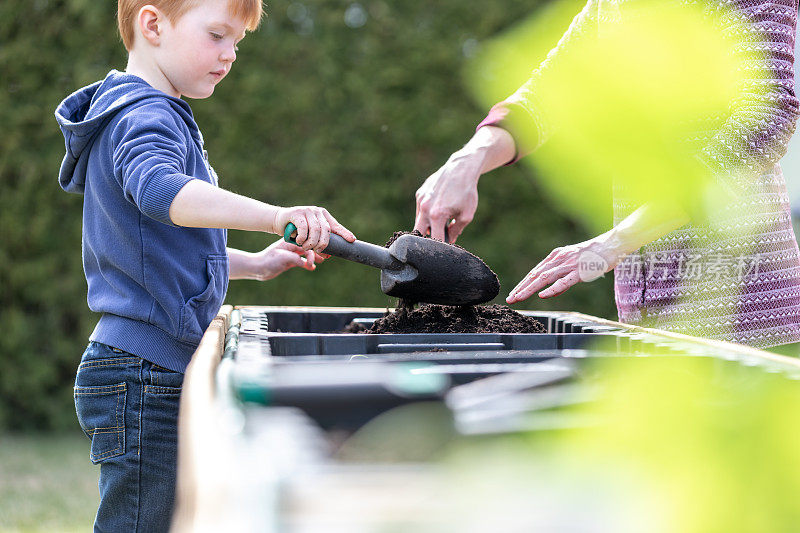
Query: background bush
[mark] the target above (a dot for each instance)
(344, 105)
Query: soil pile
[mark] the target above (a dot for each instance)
(353, 327)
(397, 234)
(429, 318)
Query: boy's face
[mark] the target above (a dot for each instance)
(198, 49)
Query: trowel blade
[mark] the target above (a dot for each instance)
(446, 274)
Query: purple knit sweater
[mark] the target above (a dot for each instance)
(742, 285)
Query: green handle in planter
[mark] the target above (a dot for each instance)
(287, 233)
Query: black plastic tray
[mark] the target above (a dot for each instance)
(320, 332)
(300, 357)
(333, 320)
(366, 344)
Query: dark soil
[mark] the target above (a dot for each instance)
(354, 327)
(397, 234)
(429, 318)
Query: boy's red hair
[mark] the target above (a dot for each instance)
(248, 10)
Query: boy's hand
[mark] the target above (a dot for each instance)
(314, 226)
(272, 261)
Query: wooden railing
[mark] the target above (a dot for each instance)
(197, 498)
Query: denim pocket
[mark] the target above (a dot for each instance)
(198, 312)
(101, 414)
(163, 382)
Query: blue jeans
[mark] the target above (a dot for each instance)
(128, 407)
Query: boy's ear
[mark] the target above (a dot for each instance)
(150, 21)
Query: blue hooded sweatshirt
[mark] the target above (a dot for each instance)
(130, 149)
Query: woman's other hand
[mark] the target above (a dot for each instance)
(567, 266)
(589, 260)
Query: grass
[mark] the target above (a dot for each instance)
(47, 483)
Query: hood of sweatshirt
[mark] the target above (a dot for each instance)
(86, 112)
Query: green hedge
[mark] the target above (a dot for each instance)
(314, 112)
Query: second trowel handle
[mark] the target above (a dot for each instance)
(358, 251)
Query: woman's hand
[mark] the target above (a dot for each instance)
(447, 201)
(314, 226)
(566, 266)
(589, 260)
(275, 259)
(449, 197)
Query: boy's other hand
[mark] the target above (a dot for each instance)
(314, 226)
(279, 257)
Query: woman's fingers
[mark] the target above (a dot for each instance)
(548, 265)
(560, 286)
(437, 205)
(551, 257)
(534, 282)
(448, 194)
(562, 269)
(439, 220)
(559, 282)
(422, 199)
(551, 262)
(458, 226)
(422, 226)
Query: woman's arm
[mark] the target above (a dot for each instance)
(449, 197)
(521, 113)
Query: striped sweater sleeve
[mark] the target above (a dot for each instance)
(755, 133)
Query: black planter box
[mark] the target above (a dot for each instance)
(319, 332)
(301, 357)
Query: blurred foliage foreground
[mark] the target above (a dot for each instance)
(345, 105)
(647, 444)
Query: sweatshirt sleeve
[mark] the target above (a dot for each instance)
(756, 132)
(150, 151)
(522, 106)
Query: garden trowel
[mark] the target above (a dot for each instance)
(418, 269)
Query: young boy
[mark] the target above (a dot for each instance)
(154, 241)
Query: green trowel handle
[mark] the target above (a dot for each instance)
(287, 233)
(358, 251)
